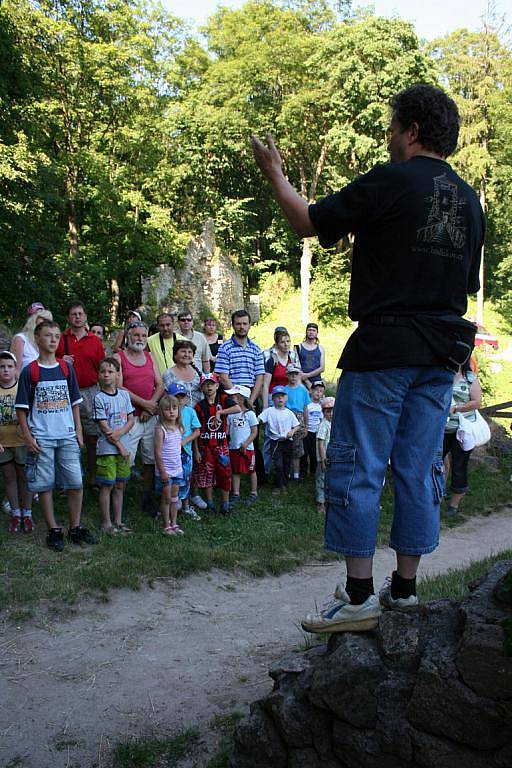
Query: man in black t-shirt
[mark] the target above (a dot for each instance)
(418, 232)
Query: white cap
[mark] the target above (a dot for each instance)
(238, 389)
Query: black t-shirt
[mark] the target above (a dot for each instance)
(418, 231)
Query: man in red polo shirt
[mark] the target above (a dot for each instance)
(84, 351)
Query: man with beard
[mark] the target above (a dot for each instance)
(142, 379)
(240, 360)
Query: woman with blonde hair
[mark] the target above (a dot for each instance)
(23, 345)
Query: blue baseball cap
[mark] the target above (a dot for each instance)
(279, 390)
(178, 389)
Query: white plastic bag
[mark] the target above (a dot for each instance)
(472, 434)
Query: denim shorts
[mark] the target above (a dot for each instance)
(56, 464)
(396, 415)
(160, 484)
(186, 464)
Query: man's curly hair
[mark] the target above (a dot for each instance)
(435, 112)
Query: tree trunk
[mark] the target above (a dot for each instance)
(73, 233)
(114, 307)
(480, 294)
(305, 274)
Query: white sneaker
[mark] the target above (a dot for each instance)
(199, 502)
(6, 506)
(398, 604)
(339, 615)
(190, 511)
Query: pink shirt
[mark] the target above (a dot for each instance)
(171, 452)
(139, 379)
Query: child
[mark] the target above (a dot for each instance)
(168, 467)
(12, 449)
(316, 393)
(323, 436)
(211, 449)
(113, 412)
(298, 399)
(242, 430)
(47, 407)
(191, 429)
(282, 425)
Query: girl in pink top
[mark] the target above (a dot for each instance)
(168, 468)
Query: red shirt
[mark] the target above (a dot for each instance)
(87, 352)
(211, 434)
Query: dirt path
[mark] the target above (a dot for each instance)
(172, 657)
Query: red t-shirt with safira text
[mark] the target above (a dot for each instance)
(213, 427)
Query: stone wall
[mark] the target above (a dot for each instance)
(430, 688)
(208, 278)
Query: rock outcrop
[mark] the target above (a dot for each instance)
(207, 278)
(430, 688)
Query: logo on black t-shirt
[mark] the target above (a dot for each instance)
(444, 223)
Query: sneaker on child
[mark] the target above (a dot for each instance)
(15, 524)
(199, 502)
(191, 512)
(81, 535)
(55, 539)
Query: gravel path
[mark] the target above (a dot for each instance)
(159, 660)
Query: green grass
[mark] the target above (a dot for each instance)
(152, 752)
(273, 536)
(454, 583)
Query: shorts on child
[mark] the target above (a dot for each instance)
(143, 432)
(112, 468)
(214, 471)
(18, 455)
(242, 463)
(160, 484)
(186, 464)
(57, 459)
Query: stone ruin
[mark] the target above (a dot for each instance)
(430, 688)
(207, 278)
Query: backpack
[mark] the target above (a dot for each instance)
(34, 377)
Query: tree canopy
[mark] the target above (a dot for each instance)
(121, 131)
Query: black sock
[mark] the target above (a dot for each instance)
(359, 590)
(401, 587)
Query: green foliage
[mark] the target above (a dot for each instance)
(120, 133)
(330, 288)
(273, 288)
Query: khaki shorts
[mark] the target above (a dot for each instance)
(143, 432)
(89, 427)
(18, 455)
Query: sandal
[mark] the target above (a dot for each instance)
(177, 529)
(110, 530)
(122, 528)
(169, 531)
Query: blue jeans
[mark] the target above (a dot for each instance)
(396, 415)
(57, 464)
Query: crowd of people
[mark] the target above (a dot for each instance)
(189, 402)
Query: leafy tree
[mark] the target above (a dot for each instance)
(475, 66)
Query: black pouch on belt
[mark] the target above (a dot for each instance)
(449, 336)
